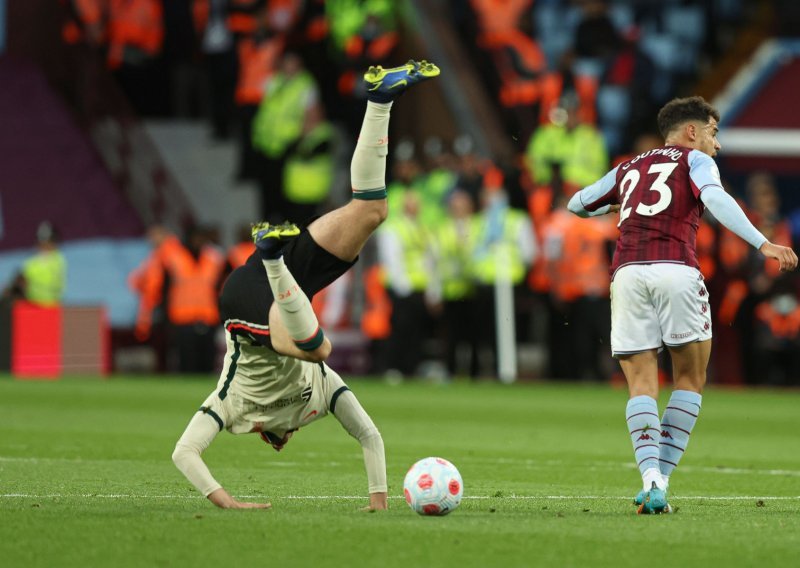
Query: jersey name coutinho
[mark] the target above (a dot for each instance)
(658, 192)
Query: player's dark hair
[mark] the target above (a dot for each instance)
(678, 111)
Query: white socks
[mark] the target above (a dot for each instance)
(296, 312)
(368, 166)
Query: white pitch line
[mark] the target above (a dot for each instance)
(353, 497)
(529, 463)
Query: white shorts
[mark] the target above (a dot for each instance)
(241, 416)
(658, 304)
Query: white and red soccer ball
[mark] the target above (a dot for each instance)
(433, 486)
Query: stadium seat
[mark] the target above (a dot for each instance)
(685, 23)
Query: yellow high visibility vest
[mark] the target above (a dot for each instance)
(307, 176)
(279, 120)
(485, 263)
(45, 277)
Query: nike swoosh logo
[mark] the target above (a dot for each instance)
(310, 415)
(400, 83)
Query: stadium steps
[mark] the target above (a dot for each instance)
(467, 99)
(205, 170)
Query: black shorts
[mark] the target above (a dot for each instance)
(246, 296)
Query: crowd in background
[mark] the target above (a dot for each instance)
(577, 83)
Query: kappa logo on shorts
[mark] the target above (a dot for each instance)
(665, 434)
(703, 292)
(306, 394)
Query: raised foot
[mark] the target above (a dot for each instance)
(270, 239)
(385, 85)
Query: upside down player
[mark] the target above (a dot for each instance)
(657, 292)
(274, 379)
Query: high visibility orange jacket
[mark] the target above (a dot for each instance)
(239, 253)
(706, 241)
(148, 281)
(193, 286)
(540, 209)
(499, 15)
(134, 24)
(257, 62)
(376, 319)
(783, 326)
(575, 252)
(243, 15)
(81, 14)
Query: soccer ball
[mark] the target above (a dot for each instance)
(433, 486)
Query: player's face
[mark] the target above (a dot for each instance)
(707, 138)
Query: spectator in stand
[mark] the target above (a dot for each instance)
(85, 22)
(515, 56)
(407, 175)
(505, 241)
(470, 168)
(290, 94)
(361, 34)
(135, 46)
(437, 182)
(258, 50)
(219, 54)
(455, 239)
(576, 148)
(43, 276)
(627, 99)
(577, 257)
(769, 320)
(596, 39)
(308, 173)
(405, 254)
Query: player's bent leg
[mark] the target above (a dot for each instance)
(344, 232)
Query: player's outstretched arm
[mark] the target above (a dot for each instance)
(599, 198)
(199, 434)
(786, 257)
(727, 211)
(358, 424)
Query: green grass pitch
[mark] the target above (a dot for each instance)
(86, 480)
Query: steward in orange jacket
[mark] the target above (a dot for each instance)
(187, 279)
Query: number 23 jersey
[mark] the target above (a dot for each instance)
(658, 192)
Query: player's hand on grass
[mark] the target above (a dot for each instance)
(223, 500)
(786, 257)
(377, 502)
